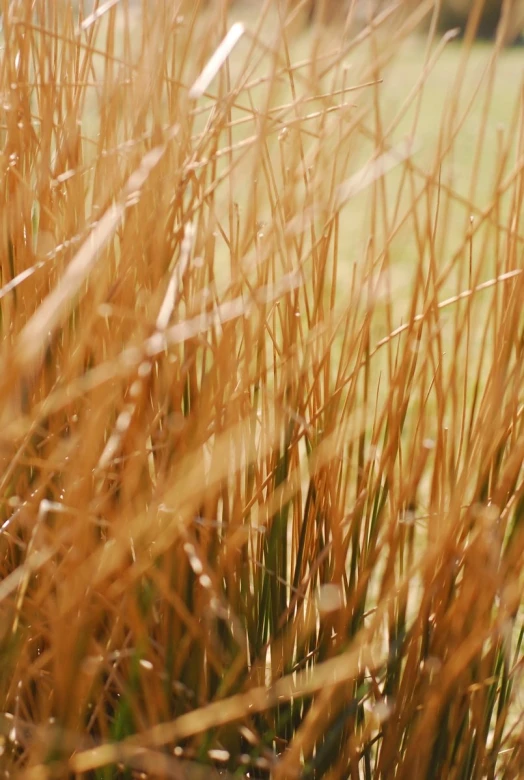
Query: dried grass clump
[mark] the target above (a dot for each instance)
(262, 425)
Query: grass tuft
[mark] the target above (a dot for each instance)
(261, 419)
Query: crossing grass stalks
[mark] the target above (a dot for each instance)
(262, 430)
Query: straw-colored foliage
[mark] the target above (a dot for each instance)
(262, 399)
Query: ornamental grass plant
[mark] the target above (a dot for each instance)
(261, 394)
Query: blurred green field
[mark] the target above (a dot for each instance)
(489, 99)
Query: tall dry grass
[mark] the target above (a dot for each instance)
(262, 424)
